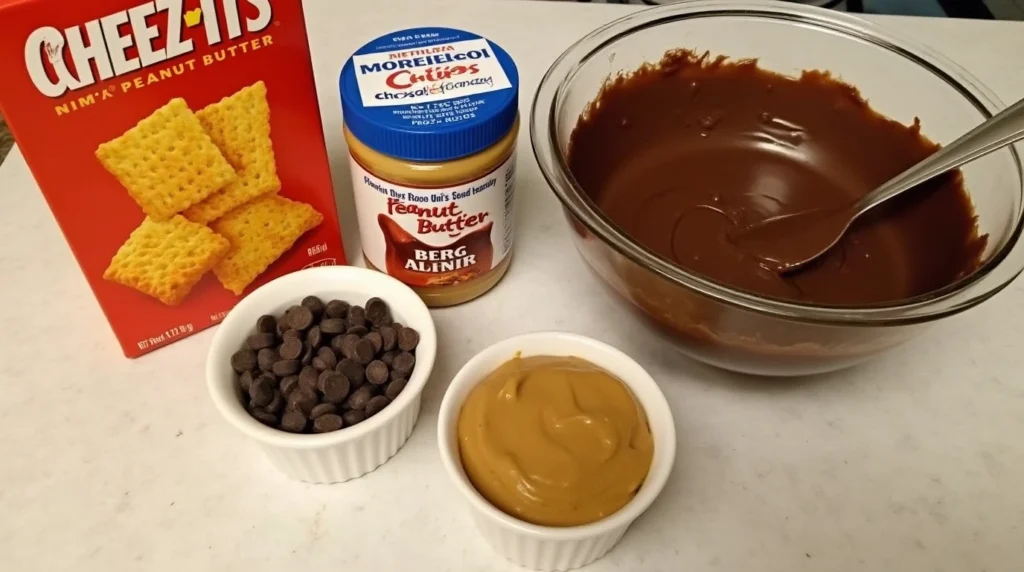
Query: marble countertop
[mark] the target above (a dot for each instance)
(913, 462)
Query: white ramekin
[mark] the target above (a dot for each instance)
(350, 452)
(552, 548)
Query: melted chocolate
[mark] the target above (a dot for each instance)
(684, 154)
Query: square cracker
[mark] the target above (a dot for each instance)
(167, 162)
(260, 232)
(240, 127)
(165, 259)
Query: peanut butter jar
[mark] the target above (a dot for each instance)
(431, 121)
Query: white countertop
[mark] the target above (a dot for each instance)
(914, 462)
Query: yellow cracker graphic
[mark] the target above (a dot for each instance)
(167, 162)
(260, 232)
(240, 126)
(165, 259)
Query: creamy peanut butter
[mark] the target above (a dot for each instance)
(554, 441)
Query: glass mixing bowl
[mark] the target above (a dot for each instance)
(739, 330)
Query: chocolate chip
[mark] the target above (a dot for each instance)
(291, 349)
(308, 378)
(395, 376)
(294, 421)
(302, 399)
(276, 404)
(328, 423)
(333, 326)
(245, 381)
(378, 313)
(243, 360)
(353, 371)
(319, 364)
(261, 340)
(376, 309)
(323, 409)
(356, 316)
(376, 339)
(266, 358)
(377, 372)
(264, 417)
(353, 417)
(336, 309)
(328, 357)
(287, 367)
(315, 305)
(320, 377)
(261, 390)
(300, 318)
(395, 387)
(338, 345)
(307, 354)
(403, 363)
(363, 352)
(357, 331)
(291, 335)
(288, 385)
(388, 358)
(348, 345)
(389, 337)
(314, 338)
(266, 324)
(359, 398)
(286, 317)
(408, 339)
(334, 386)
(376, 404)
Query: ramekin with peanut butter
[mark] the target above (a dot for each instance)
(558, 442)
(554, 440)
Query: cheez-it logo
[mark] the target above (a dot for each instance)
(105, 43)
(193, 17)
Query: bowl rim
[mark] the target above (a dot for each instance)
(954, 298)
(221, 379)
(644, 388)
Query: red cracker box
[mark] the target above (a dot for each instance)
(179, 145)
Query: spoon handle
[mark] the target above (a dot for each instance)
(1004, 128)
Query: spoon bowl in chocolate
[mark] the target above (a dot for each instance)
(785, 243)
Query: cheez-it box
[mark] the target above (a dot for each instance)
(179, 145)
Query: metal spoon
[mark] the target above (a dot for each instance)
(785, 243)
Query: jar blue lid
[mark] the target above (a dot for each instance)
(430, 94)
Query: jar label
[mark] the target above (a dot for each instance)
(427, 74)
(435, 236)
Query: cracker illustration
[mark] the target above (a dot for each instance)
(260, 232)
(165, 259)
(240, 127)
(167, 162)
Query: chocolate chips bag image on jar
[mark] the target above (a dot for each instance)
(431, 120)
